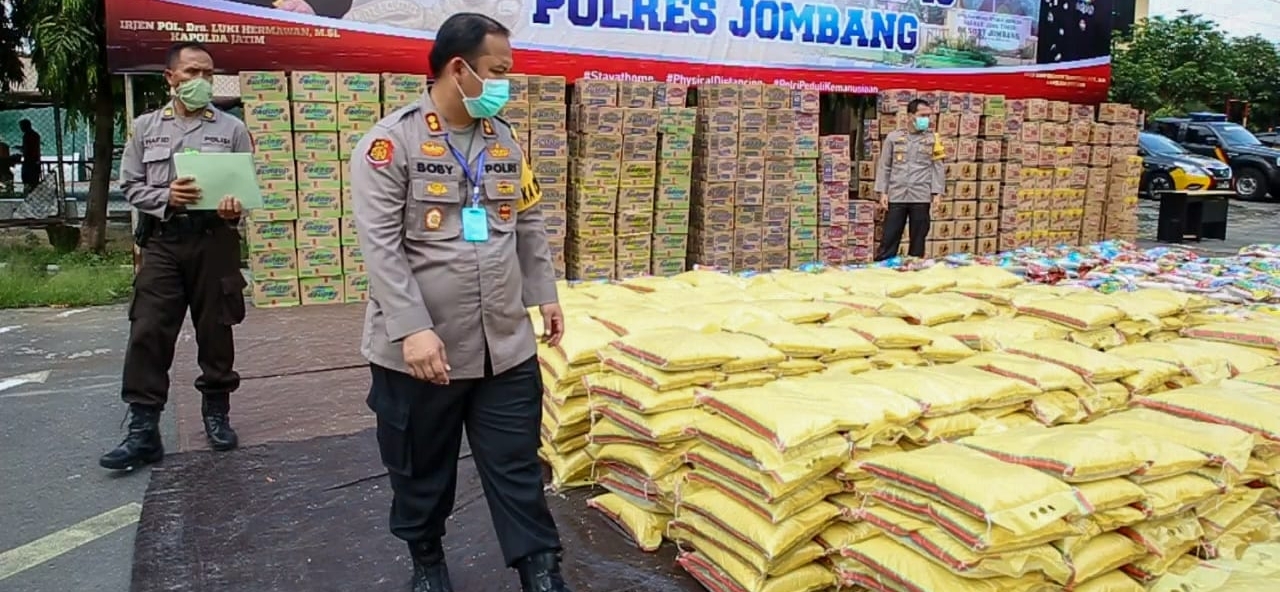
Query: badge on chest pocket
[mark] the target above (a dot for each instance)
(475, 224)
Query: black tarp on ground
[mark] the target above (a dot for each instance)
(312, 516)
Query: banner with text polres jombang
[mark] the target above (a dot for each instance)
(1021, 48)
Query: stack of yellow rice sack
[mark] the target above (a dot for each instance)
(950, 429)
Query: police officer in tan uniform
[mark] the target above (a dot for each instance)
(910, 179)
(190, 261)
(446, 211)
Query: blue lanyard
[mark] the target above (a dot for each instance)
(473, 175)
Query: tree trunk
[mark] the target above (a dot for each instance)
(93, 232)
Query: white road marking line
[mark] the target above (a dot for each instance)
(21, 379)
(80, 389)
(16, 561)
(8, 328)
(67, 313)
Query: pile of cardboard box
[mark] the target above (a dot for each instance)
(536, 110)
(302, 243)
(1027, 172)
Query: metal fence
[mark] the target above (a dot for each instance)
(38, 168)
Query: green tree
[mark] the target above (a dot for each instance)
(1257, 70)
(11, 71)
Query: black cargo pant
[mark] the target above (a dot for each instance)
(419, 428)
(895, 220)
(194, 266)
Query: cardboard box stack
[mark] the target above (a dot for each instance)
(805, 151)
(715, 172)
(677, 125)
(835, 167)
(1120, 214)
(302, 244)
(537, 112)
(595, 167)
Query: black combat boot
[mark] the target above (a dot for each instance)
(142, 446)
(217, 425)
(430, 573)
(540, 572)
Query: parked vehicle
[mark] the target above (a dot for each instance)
(1167, 166)
(1256, 167)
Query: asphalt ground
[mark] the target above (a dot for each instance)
(68, 525)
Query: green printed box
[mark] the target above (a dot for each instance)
(326, 174)
(274, 171)
(322, 290)
(313, 86)
(357, 287)
(352, 260)
(349, 235)
(358, 116)
(273, 264)
(264, 86)
(275, 293)
(277, 205)
(319, 262)
(347, 140)
(348, 210)
(315, 117)
(315, 146)
(319, 232)
(268, 116)
(402, 89)
(270, 235)
(319, 202)
(358, 87)
(273, 145)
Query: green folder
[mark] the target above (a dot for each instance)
(219, 174)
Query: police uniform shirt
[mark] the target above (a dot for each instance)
(146, 167)
(911, 167)
(409, 192)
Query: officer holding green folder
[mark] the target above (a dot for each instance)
(190, 261)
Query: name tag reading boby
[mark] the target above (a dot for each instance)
(475, 220)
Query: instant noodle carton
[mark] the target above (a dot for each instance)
(270, 235)
(268, 116)
(319, 202)
(347, 141)
(355, 287)
(319, 261)
(319, 232)
(349, 232)
(357, 87)
(277, 205)
(359, 116)
(313, 86)
(402, 89)
(315, 116)
(352, 260)
(275, 293)
(273, 145)
(273, 264)
(316, 146)
(264, 86)
(322, 290)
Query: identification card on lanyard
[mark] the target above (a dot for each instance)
(475, 218)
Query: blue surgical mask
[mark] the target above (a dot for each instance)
(492, 98)
(922, 123)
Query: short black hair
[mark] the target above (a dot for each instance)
(462, 36)
(914, 105)
(175, 51)
(24, 123)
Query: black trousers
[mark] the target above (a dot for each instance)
(895, 220)
(197, 271)
(419, 427)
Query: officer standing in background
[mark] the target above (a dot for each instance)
(910, 179)
(190, 260)
(447, 213)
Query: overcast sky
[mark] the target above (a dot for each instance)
(1237, 17)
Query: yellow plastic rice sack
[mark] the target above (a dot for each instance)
(1057, 407)
(1167, 536)
(642, 528)
(860, 304)
(1072, 453)
(1152, 376)
(1109, 494)
(898, 358)
(776, 511)
(583, 337)
(1045, 376)
(757, 454)
(1174, 495)
(848, 366)
(1221, 444)
(1103, 554)
(715, 569)
(925, 309)
(660, 428)
(658, 380)
(750, 353)
(798, 367)
(1115, 581)
(1238, 406)
(886, 332)
(824, 343)
(1093, 366)
(934, 544)
(947, 427)
(1241, 359)
(1229, 512)
(998, 297)
(996, 334)
(1102, 339)
(651, 495)
(628, 393)
(945, 349)
(770, 540)
(765, 486)
(1027, 501)
(1269, 377)
(674, 350)
(1254, 333)
(840, 535)
(1105, 398)
(698, 532)
(947, 390)
(625, 320)
(883, 282)
(790, 413)
(976, 534)
(650, 461)
(1081, 316)
(885, 565)
(569, 471)
(802, 312)
(1198, 363)
(983, 276)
